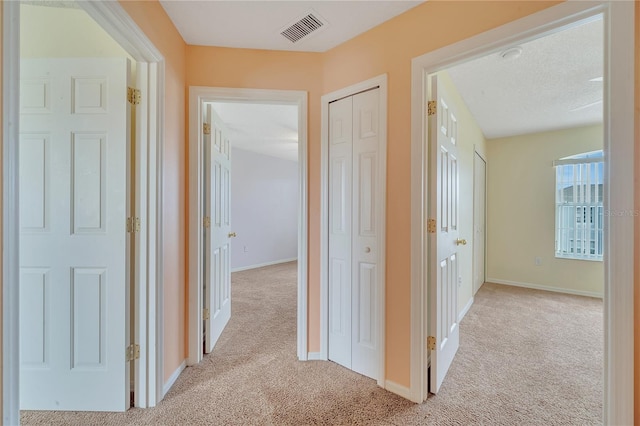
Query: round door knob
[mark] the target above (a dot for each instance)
(461, 242)
(232, 234)
(367, 250)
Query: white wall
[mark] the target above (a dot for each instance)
(521, 212)
(264, 209)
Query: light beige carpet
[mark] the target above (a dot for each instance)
(526, 358)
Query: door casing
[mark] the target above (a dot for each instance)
(198, 96)
(148, 258)
(619, 160)
(477, 157)
(381, 82)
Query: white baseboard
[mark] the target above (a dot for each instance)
(399, 390)
(465, 310)
(260, 265)
(546, 288)
(315, 356)
(173, 378)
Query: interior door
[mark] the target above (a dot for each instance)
(479, 220)
(366, 225)
(217, 274)
(444, 238)
(354, 230)
(74, 280)
(340, 201)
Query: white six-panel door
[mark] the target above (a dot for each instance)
(217, 188)
(354, 228)
(74, 284)
(444, 264)
(340, 234)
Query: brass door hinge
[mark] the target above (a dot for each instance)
(431, 226)
(133, 352)
(431, 343)
(206, 128)
(205, 314)
(133, 96)
(133, 224)
(431, 108)
(206, 222)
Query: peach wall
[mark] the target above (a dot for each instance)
(153, 20)
(389, 49)
(264, 69)
(636, 228)
(394, 46)
(1, 210)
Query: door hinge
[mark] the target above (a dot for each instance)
(206, 222)
(133, 352)
(133, 96)
(206, 128)
(431, 226)
(133, 224)
(431, 343)
(205, 314)
(431, 108)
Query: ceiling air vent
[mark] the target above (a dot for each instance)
(303, 27)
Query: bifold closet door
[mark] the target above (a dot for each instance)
(353, 232)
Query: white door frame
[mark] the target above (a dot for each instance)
(381, 82)
(198, 95)
(619, 158)
(483, 157)
(148, 319)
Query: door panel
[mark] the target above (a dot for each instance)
(340, 228)
(443, 253)
(74, 285)
(354, 211)
(217, 190)
(366, 141)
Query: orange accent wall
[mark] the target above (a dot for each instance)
(1, 208)
(636, 269)
(153, 20)
(389, 48)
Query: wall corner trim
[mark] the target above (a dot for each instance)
(545, 288)
(173, 378)
(465, 310)
(315, 356)
(399, 390)
(262, 265)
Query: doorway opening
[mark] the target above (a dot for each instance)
(548, 22)
(259, 194)
(250, 193)
(530, 210)
(31, 100)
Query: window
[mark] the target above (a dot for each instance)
(579, 211)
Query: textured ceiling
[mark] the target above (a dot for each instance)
(263, 128)
(257, 24)
(548, 87)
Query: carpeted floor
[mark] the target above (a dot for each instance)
(526, 358)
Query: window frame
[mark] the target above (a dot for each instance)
(586, 207)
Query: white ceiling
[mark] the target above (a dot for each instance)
(257, 24)
(547, 88)
(263, 128)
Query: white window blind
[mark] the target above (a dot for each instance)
(579, 208)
